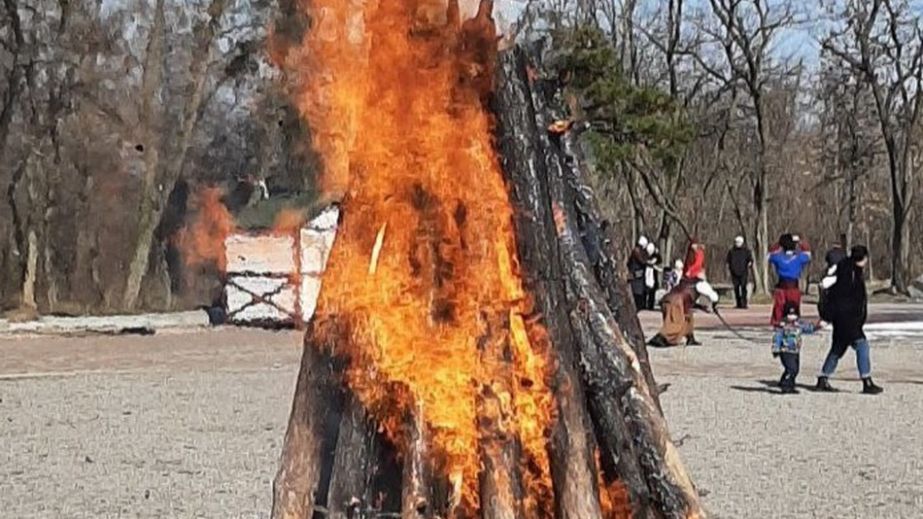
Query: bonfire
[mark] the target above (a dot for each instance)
(472, 353)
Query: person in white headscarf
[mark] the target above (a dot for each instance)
(672, 276)
(677, 307)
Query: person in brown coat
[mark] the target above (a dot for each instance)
(678, 319)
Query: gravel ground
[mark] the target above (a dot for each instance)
(756, 453)
(189, 425)
(187, 439)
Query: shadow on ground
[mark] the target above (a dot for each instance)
(772, 387)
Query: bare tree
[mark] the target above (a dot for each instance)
(677, 73)
(76, 137)
(850, 142)
(746, 31)
(160, 173)
(881, 43)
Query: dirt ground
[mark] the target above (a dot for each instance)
(189, 425)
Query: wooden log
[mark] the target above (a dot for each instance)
(499, 480)
(519, 142)
(500, 487)
(417, 482)
(619, 391)
(356, 465)
(610, 274)
(619, 459)
(308, 442)
(629, 426)
(545, 173)
(599, 239)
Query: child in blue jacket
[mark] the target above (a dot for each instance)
(786, 345)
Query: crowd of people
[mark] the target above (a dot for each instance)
(843, 303)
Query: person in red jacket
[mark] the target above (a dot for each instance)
(695, 261)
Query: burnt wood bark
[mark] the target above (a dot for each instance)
(356, 463)
(417, 482)
(499, 480)
(619, 391)
(500, 486)
(520, 143)
(597, 235)
(629, 425)
(305, 451)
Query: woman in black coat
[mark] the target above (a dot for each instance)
(847, 310)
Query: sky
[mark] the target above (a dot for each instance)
(800, 42)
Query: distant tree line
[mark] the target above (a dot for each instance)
(112, 116)
(705, 120)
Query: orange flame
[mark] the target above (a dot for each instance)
(614, 499)
(395, 92)
(202, 241)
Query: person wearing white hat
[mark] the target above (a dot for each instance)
(672, 276)
(739, 263)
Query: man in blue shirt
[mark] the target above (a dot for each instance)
(789, 263)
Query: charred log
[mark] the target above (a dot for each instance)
(521, 152)
(306, 450)
(356, 465)
(597, 235)
(500, 487)
(500, 483)
(417, 482)
(629, 426)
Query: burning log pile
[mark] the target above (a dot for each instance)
(473, 353)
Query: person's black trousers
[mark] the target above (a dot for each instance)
(640, 301)
(792, 364)
(740, 290)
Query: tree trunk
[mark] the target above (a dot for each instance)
(761, 236)
(151, 81)
(157, 185)
(31, 273)
(899, 234)
(852, 208)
